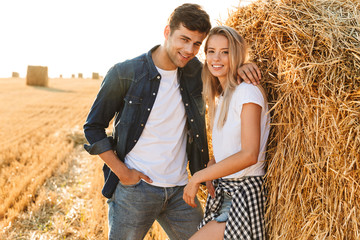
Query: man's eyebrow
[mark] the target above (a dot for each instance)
(186, 37)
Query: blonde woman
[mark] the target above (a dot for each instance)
(239, 122)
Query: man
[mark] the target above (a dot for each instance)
(159, 126)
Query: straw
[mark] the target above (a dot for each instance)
(309, 55)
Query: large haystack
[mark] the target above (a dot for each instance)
(37, 76)
(309, 53)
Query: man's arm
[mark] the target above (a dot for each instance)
(126, 176)
(106, 105)
(249, 73)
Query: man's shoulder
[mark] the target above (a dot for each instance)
(129, 67)
(131, 62)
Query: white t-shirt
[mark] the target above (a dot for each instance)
(227, 140)
(160, 153)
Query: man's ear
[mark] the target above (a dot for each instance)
(167, 32)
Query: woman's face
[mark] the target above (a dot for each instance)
(217, 57)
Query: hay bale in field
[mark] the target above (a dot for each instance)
(15, 74)
(95, 75)
(72, 75)
(309, 53)
(37, 76)
(61, 76)
(80, 75)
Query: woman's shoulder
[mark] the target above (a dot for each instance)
(247, 92)
(246, 89)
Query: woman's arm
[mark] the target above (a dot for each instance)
(246, 157)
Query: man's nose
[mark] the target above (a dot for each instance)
(189, 48)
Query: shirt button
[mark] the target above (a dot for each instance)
(130, 102)
(186, 104)
(142, 124)
(197, 135)
(158, 77)
(191, 120)
(181, 89)
(154, 94)
(149, 109)
(202, 150)
(135, 140)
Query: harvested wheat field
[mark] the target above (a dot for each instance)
(309, 52)
(50, 187)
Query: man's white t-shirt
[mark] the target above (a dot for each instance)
(160, 153)
(227, 140)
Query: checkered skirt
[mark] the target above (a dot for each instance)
(246, 216)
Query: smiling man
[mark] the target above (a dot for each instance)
(159, 127)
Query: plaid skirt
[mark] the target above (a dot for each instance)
(246, 216)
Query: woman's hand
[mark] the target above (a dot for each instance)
(210, 188)
(209, 184)
(190, 192)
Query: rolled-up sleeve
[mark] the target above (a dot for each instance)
(106, 105)
(101, 146)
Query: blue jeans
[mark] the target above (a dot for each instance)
(224, 209)
(133, 209)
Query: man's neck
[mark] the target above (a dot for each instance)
(161, 59)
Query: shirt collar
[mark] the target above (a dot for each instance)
(153, 73)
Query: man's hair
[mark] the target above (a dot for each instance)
(192, 16)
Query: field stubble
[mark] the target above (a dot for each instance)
(51, 188)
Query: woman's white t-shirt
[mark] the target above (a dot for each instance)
(227, 140)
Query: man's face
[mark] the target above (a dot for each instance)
(182, 45)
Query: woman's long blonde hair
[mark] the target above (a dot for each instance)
(238, 55)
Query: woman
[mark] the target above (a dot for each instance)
(240, 127)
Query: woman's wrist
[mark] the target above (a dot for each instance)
(196, 179)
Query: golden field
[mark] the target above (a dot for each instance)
(50, 187)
